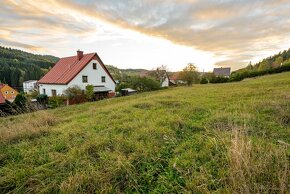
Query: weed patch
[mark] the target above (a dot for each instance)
(35, 127)
(145, 106)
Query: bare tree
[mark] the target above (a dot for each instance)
(160, 73)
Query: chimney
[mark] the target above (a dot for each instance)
(80, 54)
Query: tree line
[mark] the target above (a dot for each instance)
(17, 66)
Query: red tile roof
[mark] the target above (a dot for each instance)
(69, 67)
(175, 76)
(2, 99)
(1, 86)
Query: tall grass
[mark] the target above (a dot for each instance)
(256, 167)
(229, 138)
(38, 124)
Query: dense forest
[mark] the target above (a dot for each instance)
(17, 66)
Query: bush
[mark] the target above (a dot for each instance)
(75, 94)
(90, 92)
(21, 100)
(239, 76)
(42, 98)
(56, 101)
(145, 84)
(218, 79)
(203, 81)
(121, 86)
(140, 84)
(33, 94)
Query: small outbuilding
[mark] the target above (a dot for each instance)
(128, 91)
(29, 86)
(8, 92)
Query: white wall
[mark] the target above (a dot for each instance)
(29, 86)
(48, 87)
(94, 78)
(165, 83)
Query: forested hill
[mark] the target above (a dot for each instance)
(17, 66)
(270, 62)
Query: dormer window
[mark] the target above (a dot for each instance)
(94, 65)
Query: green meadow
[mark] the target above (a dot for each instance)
(221, 138)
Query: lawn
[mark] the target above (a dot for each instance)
(223, 138)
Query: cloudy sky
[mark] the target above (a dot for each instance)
(150, 33)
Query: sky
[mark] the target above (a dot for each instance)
(150, 33)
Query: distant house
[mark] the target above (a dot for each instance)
(29, 86)
(2, 99)
(175, 79)
(160, 76)
(222, 72)
(7, 92)
(79, 70)
(166, 82)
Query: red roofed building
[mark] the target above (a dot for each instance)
(2, 99)
(79, 70)
(175, 78)
(7, 92)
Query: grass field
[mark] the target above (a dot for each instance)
(223, 138)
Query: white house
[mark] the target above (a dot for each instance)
(165, 81)
(80, 70)
(160, 76)
(29, 86)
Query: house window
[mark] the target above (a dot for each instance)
(94, 65)
(103, 79)
(53, 92)
(85, 79)
(43, 91)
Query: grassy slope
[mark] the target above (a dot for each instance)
(205, 138)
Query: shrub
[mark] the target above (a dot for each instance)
(203, 81)
(33, 94)
(121, 86)
(21, 100)
(219, 79)
(42, 98)
(75, 94)
(141, 84)
(56, 101)
(239, 76)
(89, 92)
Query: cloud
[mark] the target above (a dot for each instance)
(226, 27)
(21, 45)
(235, 30)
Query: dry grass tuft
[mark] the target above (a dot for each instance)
(253, 171)
(33, 126)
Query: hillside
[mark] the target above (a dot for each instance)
(17, 66)
(269, 62)
(225, 138)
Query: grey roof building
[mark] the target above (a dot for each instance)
(222, 71)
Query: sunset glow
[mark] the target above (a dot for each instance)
(147, 34)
